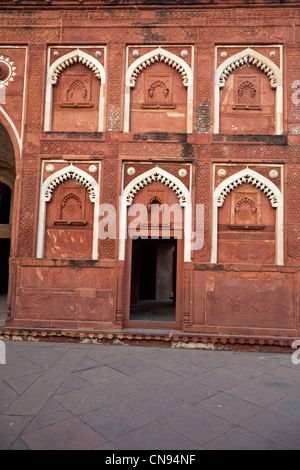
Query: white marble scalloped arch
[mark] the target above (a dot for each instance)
(47, 188)
(75, 56)
(255, 59)
(266, 186)
(184, 198)
(146, 60)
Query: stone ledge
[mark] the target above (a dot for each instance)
(250, 139)
(155, 339)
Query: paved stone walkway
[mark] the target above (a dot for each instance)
(109, 397)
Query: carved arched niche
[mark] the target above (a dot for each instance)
(158, 95)
(68, 215)
(247, 103)
(247, 220)
(74, 95)
(247, 227)
(69, 222)
(248, 95)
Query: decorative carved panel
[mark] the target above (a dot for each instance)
(246, 230)
(247, 93)
(69, 227)
(76, 100)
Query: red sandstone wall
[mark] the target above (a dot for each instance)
(55, 294)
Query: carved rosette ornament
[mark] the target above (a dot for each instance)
(7, 71)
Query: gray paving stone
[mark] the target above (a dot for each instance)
(10, 429)
(154, 436)
(230, 408)
(252, 392)
(5, 403)
(51, 413)
(157, 378)
(46, 357)
(184, 369)
(115, 420)
(288, 375)
(130, 367)
(35, 397)
(86, 363)
(155, 404)
(274, 383)
(85, 400)
(70, 434)
(147, 398)
(195, 424)
(99, 374)
(107, 446)
(19, 445)
(254, 361)
(241, 439)
(71, 383)
(20, 384)
(217, 379)
(72, 357)
(19, 369)
(277, 427)
(6, 391)
(210, 359)
(239, 371)
(125, 387)
(190, 391)
(288, 405)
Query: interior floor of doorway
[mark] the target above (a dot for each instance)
(153, 310)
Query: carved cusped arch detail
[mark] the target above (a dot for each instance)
(160, 55)
(71, 172)
(156, 177)
(74, 57)
(249, 58)
(274, 195)
(251, 177)
(49, 185)
(156, 174)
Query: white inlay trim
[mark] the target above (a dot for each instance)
(75, 56)
(160, 179)
(164, 177)
(247, 178)
(266, 186)
(252, 58)
(47, 188)
(141, 63)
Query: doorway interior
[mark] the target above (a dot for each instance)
(153, 280)
(7, 179)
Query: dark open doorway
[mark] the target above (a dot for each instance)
(5, 204)
(153, 280)
(7, 179)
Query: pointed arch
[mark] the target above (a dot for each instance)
(15, 137)
(138, 183)
(47, 188)
(73, 57)
(145, 61)
(76, 56)
(267, 187)
(250, 57)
